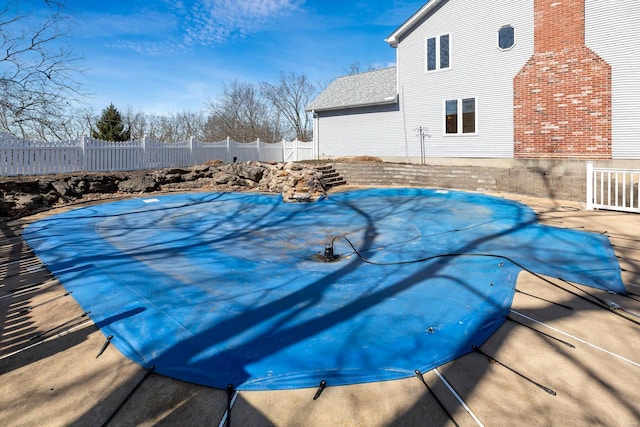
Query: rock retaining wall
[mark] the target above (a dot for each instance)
(20, 196)
(548, 182)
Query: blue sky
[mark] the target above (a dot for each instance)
(166, 56)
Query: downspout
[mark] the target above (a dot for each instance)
(400, 91)
(393, 42)
(316, 133)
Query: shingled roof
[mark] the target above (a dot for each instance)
(378, 87)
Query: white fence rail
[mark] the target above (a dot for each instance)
(613, 189)
(26, 157)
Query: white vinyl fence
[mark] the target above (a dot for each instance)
(26, 157)
(613, 189)
(297, 150)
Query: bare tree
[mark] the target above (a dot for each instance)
(290, 97)
(190, 124)
(242, 114)
(172, 127)
(36, 73)
(355, 68)
(82, 120)
(136, 121)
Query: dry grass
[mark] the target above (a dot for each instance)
(214, 162)
(359, 159)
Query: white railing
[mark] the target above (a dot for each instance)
(26, 157)
(613, 189)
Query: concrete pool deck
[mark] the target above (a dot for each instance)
(50, 375)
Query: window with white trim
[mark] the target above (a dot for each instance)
(438, 52)
(460, 116)
(506, 37)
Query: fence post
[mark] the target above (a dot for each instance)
(258, 148)
(145, 153)
(192, 150)
(284, 150)
(589, 186)
(84, 153)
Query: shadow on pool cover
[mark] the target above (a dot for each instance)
(227, 288)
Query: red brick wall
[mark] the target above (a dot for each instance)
(562, 96)
(558, 24)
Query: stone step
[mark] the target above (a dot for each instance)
(324, 168)
(335, 183)
(330, 177)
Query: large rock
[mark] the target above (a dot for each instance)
(5, 208)
(173, 177)
(63, 188)
(293, 166)
(176, 171)
(79, 184)
(203, 171)
(26, 203)
(138, 184)
(222, 177)
(102, 184)
(253, 173)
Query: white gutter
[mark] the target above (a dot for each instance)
(394, 38)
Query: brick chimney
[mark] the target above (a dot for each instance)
(562, 96)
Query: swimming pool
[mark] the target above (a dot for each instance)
(232, 288)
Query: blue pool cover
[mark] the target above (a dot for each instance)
(226, 288)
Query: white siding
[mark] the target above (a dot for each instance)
(360, 132)
(612, 30)
(478, 69)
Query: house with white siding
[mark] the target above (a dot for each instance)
(495, 82)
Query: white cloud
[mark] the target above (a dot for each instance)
(215, 21)
(143, 47)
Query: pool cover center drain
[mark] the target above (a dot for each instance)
(327, 255)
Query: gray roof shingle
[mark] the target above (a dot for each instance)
(376, 87)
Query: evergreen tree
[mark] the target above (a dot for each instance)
(110, 126)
